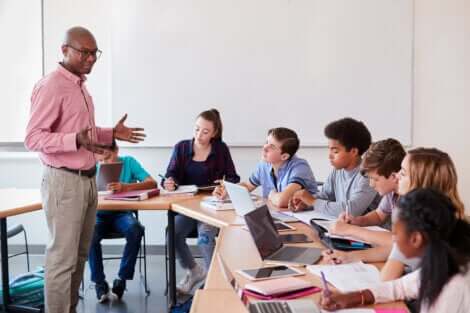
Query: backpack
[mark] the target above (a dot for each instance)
(28, 289)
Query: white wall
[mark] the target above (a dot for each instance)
(442, 90)
(441, 37)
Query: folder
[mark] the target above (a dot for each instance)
(135, 195)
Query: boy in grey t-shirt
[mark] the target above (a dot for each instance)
(345, 190)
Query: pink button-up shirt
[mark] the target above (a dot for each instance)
(61, 107)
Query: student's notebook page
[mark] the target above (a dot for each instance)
(348, 277)
(182, 189)
(216, 204)
(351, 311)
(306, 216)
(328, 224)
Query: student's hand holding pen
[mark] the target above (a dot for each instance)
(170, 184)
(338, 257)
(219, 191)
(337, 300)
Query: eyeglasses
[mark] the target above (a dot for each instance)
(84, 54)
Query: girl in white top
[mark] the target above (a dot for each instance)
(425, 226)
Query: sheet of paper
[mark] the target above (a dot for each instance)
(306, 216)
(351, 311)
(182, 189)
(348, 277)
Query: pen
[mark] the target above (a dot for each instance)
(348, 211)
(326, 291)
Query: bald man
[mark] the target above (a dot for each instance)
(62, 129)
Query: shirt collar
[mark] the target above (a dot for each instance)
(283, 166)
(78, 80)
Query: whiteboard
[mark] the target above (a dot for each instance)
(21, 63)
(262, 64)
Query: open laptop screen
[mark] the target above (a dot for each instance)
(262, 229)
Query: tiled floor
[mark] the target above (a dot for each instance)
(134, 300)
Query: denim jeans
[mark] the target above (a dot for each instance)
(121, 222)
(184, 226)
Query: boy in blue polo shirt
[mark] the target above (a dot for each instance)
(133, 177)
(280, 173)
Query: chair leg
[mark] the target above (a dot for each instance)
(27, 249)
(166, 266)
(147, 291)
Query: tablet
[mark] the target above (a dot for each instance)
(270, 272)
(108, 173)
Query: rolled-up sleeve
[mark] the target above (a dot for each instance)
(255, 177)
(302, 174)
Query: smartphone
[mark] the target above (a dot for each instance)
(270, 272)
(295, 238)
(280, 226)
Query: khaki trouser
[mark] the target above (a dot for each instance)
(69, 202)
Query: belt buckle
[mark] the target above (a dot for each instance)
(79, 172)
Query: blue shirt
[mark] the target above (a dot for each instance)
(131, 172)
(294, 170)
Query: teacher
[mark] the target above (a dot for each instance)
(62, 129)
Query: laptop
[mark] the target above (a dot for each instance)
(240, 197)
(273, 306)
(269, 243)
(108, 173)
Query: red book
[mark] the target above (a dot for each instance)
(135, 195)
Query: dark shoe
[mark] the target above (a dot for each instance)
(102, 292)
(119, 286)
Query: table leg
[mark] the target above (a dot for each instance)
(4, 252)
(171, 260)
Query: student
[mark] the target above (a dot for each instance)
(280, 173)
(133, 177)
(200, 161)
(345, 189)
(421, 168)
(381, 164)
(426, 226)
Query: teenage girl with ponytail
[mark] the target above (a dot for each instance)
(199, 161)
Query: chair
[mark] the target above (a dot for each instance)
(13, 231)
(142, 257)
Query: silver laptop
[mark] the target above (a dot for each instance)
(108, 173)
(270, 246)
(240, 197)
(273, 306)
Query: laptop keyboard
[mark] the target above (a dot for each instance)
(272, 307)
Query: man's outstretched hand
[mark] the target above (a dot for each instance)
(122, 132)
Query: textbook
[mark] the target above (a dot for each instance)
(136, 195)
